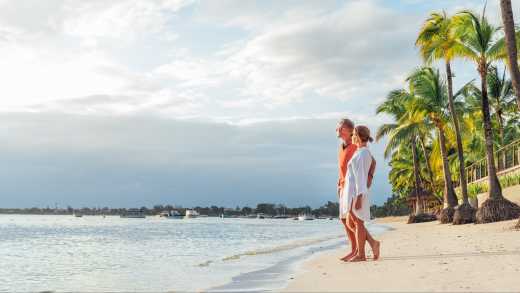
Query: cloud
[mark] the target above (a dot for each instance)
(342, 54)
(96, 160)
(116, 88)
(256, 15)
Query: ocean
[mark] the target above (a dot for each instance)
(97, 254)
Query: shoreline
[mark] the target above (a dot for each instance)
(423, 257)
(277, 276)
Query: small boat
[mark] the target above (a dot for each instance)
(280, 217)
(134, 214)
(260, 216)
(78, 215)
(171, 215)
(191, 214)
(305, 217)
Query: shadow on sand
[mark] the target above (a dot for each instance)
(449, 255)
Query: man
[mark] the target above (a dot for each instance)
(347, 149)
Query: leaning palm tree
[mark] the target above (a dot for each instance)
(511, 46)
(404, 131)
(432, 99)
(481, 45)
(438, 39)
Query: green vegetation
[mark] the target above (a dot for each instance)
(394, 206)
(505, 181)
(437, 131)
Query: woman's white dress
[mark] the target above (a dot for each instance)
(356, 181)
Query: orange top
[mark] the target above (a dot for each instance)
(344, 156)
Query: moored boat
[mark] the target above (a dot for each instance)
(191, 214)
(305, 217)
(171, 215)
(281, 217)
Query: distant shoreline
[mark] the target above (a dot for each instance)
(329, 209)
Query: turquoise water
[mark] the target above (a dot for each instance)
(92, 253)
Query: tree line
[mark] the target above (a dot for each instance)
(330, 209)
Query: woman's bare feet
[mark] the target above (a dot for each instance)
(358, 258)
(376, 249)
(348, 256)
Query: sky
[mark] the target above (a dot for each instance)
(142, 102)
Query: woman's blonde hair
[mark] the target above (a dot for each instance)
(363, 133)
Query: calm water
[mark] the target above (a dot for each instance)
(64, 253)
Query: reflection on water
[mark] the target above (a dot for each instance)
(65, 253)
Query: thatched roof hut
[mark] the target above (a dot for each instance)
(428, 200)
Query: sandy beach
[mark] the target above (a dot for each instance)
(423, 257)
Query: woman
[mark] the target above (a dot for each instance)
(357, 197)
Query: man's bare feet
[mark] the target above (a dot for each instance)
(358, 258)
(376, 249)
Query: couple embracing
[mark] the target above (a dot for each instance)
(356, 170)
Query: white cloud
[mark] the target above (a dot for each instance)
(117, 18)
(294, 53)
(93, 159)
(340, 54)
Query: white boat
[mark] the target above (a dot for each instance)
(260, 216)
(171, 214)
(134, 214)
(191, 214)
(305, 217)
(78, 215)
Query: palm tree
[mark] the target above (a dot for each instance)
(511, 46)
(481, 45)
(500, 90)
(422, 142)
(403, 173)
(432, 99)
(405, 131)
(438, 40)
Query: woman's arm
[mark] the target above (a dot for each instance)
(362, 166)
(371, 172)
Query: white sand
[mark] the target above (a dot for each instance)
(424, 257)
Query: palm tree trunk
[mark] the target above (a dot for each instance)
(509, 29)
(460, 150)
(450, 199)
(428, 166)
(500, 122)
(496, 207)
(495, 190)
(417, 178)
